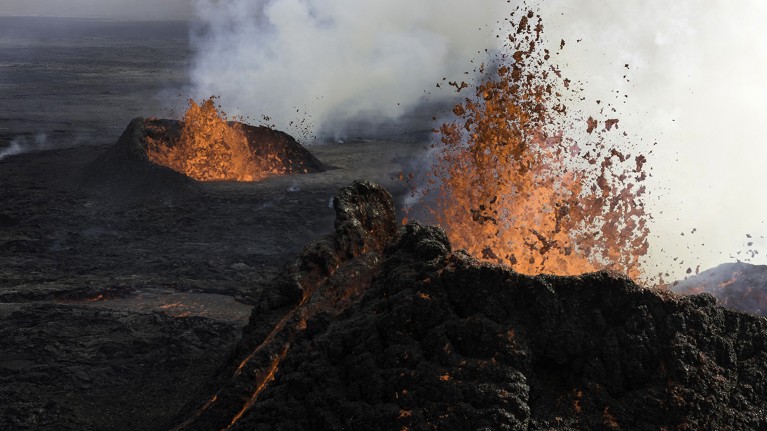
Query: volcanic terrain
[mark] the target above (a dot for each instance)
(133, 297)
(120, 302)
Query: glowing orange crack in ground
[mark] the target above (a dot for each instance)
(269, 338)
(272, 370)
(274, 365)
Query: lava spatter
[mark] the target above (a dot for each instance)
(212, 149)
(512, 184)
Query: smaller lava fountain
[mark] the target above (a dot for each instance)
(206, 147)
(166, 159)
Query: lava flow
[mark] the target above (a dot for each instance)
(210, 148)
(510, 186)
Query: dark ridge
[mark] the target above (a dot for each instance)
(371, 329)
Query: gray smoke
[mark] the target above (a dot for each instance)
(335, 60)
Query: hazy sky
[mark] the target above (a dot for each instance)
(119, 9)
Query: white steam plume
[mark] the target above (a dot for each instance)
(336, 60)
(696, 85)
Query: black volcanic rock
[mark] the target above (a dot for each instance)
(293, 157)
(369, 330)
(7, 221)
(80, 367)
(126, 171)
(738, 285)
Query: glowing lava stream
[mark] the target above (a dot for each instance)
(269, 375)
(265, 380)
(277, 329)
(197, 414)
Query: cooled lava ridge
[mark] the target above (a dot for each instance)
(374, 328)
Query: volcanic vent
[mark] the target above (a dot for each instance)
(162, 157)
(207, 147)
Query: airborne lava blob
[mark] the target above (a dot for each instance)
(512, 186)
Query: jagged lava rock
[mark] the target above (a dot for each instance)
(78, 367)
(372, 330)
(330, 275)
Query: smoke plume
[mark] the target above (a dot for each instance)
(23, 145)
(336, 60)
(111, 9)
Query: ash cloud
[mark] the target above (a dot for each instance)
(335, 60)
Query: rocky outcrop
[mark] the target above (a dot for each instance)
(330, 276)
(738, 285)
(369, 329)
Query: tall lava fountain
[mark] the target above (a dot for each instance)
(512, 187)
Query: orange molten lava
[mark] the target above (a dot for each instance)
(512, 188)
(210, 148)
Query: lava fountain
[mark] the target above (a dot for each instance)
(208, 147)
(512, 184)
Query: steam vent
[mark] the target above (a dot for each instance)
(169, 157)
(377, 327)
